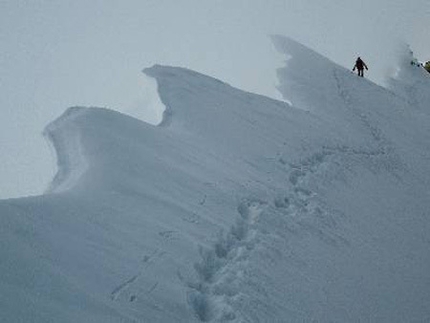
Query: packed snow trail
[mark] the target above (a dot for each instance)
(237, 208)
(222, 267)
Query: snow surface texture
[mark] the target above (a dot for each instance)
(236, 208)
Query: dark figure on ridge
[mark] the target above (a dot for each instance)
(360, 66)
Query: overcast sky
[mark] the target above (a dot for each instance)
(57, 54)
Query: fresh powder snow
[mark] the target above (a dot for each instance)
(235, 208)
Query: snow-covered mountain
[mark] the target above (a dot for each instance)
(236, 208)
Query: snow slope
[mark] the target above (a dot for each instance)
(236, 208)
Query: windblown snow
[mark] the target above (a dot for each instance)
(236, 208)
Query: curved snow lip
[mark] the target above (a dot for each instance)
(164, 74)
(166, 118)
(65, 139)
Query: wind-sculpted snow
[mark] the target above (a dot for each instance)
(236, 208)
(412, 83)
(367, 110)
(64, 137)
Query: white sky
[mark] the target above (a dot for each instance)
(56, 54)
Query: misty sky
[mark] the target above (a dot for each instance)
(57, 54)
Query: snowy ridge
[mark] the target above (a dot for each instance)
(411, 83)
(66, 141)
(237, 208)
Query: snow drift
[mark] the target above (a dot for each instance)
(237, 208)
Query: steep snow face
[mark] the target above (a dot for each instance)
(395, 119)
(236, 208)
